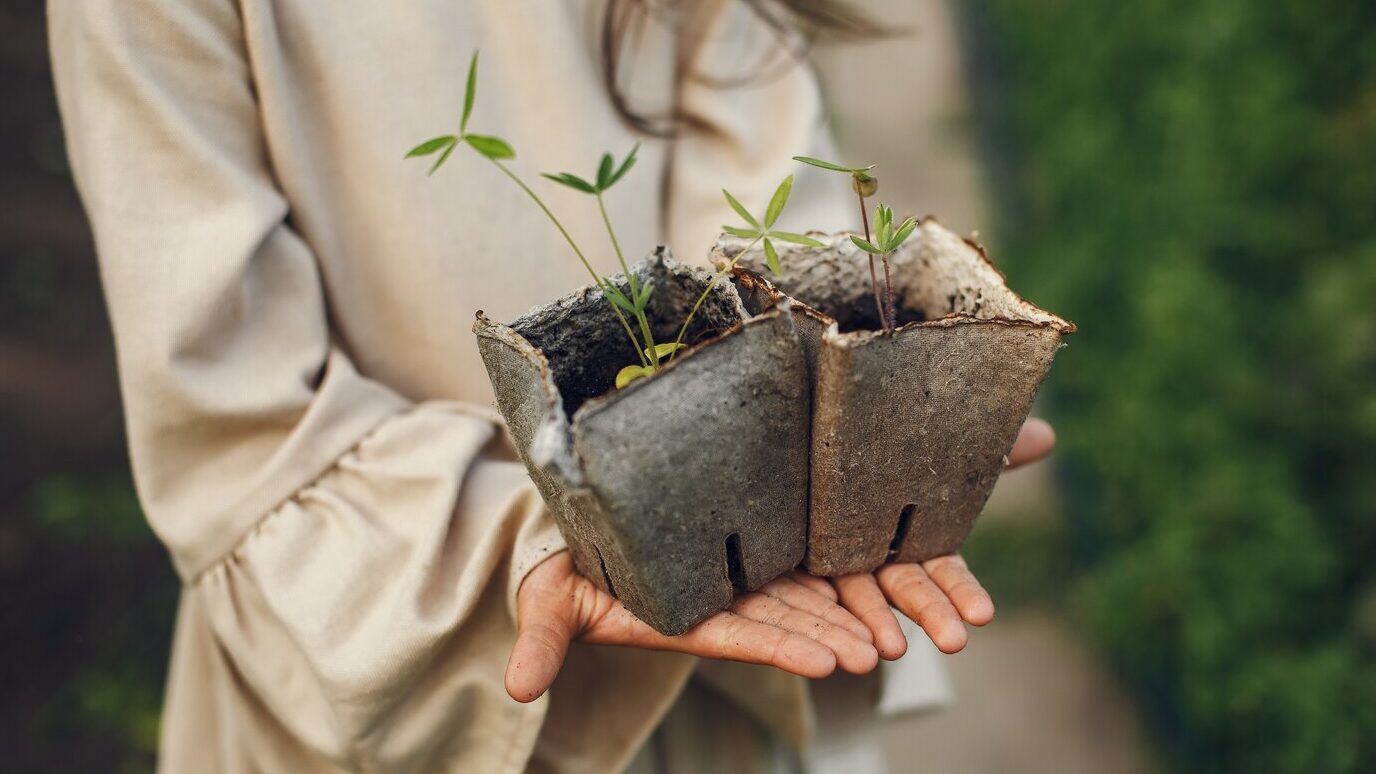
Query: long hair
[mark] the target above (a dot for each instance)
(795, 25)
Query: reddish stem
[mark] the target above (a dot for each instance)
(874, 277)
(888, 295)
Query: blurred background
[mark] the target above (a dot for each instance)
(1191, 586)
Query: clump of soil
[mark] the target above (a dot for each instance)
(586, 345)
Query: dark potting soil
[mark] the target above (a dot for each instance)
(861, 315)
(586, 346)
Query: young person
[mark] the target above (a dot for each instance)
(369, 576)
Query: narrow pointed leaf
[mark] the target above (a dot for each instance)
(777, 202)
(665, 350)
(797, 239)
(469, 93)
(743, 233)
(432, 146)
(439, 162)
(494, 148)
(625, 166)
(771, 256)
(604, 172)
(644, 296)
(617, 297)
(863, 245)
(572, 181)
(832, 166)
(904, 231)
(632, 372)
(884, 231)
(740, 209)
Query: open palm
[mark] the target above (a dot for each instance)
(799, 623)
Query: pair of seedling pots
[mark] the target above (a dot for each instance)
(793, 431)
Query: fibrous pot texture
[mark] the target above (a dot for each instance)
(910, 429)
(682, 488)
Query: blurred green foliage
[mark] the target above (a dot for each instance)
(1195, 185)
(90, 626)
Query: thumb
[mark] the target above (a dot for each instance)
(544, 628)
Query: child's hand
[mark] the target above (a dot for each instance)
(793, 623)
(941, 594)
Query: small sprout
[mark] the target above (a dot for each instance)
(761, 229)
(866, 185)
(608, 174)
(887, 239)
(497, 150)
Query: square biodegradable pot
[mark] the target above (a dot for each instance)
(910, 430)
(682, 488)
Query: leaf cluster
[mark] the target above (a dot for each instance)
(762, 229)
(887, 237)
(494, 148)
(609, 173)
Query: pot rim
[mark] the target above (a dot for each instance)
(850, 338)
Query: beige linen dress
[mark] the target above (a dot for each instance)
(310, 424)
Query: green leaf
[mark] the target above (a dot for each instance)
(632, 372)
(572, 181)
(743, 233)
(625, 166)
(665, 350)
(643, 297)
(772, 258)
(617, 297)
(832, 166)
(604, 172)
(439, 162)
(883, 231)
(740, 209)
(777, 202)
(866, 246)
(494, 148)
(431, 146)
(904, 231)
(469, 93)
(797, 239)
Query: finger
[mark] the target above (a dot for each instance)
(853, 654)
(820, 585)
(909, 589)
(1035, 441)
(725, 636)
(544, 626)
(789, 591)
(953, 577)
(860, 595)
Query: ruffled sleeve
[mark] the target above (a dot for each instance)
(353, 554)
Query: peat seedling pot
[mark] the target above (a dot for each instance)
(910, 430)
(682, 488)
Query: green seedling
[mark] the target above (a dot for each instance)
(497, 150)
(865, 185)
(887, 238)
(758, 230)
(652, 355)
(608, 174)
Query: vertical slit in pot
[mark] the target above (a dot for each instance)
(900, 532)
(606, 576)
(735, 568)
